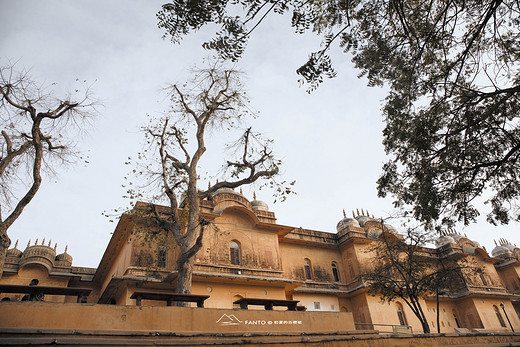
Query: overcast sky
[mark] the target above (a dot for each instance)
(330, 141)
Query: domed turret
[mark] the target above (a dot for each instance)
(14, 252)
(64, 257)
(500, 252)
(259, 205)
(456, 236)
(444, 240)
(226, 190)
(374, 234)
(503, 249)
(391, 229)
(510, 247)
(363, 219)
(39, 254)
(345, 223)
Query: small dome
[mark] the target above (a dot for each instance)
(455, 236)
(345, 223)
(363, 219)
(510, 247)
(14, 252)
(374, 234)
(259, 205)
(65, 257)
(443, 240)
(226, 190)
(500, 251)
(391, 228)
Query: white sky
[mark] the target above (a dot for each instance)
(330, 141)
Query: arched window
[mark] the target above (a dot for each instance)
(234, 252)
(456, 319)
(161, 256)
(483, 279)
(335, 272)
(307, 268)
(400, 313)
(499, 316)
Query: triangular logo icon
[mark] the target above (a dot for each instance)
(226, 319)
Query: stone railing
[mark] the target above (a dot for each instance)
(237, 270)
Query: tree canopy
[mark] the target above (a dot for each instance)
(404, 269)
(452, 69)
(36, 136)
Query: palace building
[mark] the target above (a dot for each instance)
(248, 255)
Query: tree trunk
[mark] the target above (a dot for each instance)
(425, 327)
(185, 268)
(5, 242)
(422, 318)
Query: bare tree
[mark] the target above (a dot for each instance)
(213, 100)
(404, 269)
(34, 127)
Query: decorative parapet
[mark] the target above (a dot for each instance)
(44, 255)
(486, 289)
(265, 216)
(352, 233)
(307, 235)
(39, 254)
(236, 270)
(225, 196)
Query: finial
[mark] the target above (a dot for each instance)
(43, 241)
(49, 243)
(55, 245)
(353, 215)
(217, 180)
(373, 216)
(209, 184)
(66, 247)
(495, 242)
(254, 195)
(29, 243)
(241, 191)
(344, 214)
(36, 242)
(357, 211)
(368, 213)
(16, 244)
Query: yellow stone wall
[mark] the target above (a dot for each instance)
(222, 295)
(41, 273)
(321, 258)
(156, 318)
